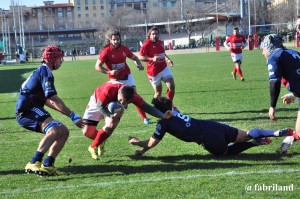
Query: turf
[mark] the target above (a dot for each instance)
(173, 169)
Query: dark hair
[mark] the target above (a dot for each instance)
(109, 35)
(162, 103)
(127, 92)
(236, 28)
(154, 28)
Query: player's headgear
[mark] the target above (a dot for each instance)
(271, 42)
(51, 54)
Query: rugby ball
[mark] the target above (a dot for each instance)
(115, 107)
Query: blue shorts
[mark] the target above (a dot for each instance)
(218, 137)
(33, 119)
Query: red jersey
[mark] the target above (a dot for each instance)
(115, 59)
(236, 43)
(149, 49)
(108, 92)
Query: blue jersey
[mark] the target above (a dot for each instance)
(36, 89)
(285, 63)
(189, 129)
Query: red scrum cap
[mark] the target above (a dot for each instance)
(51, 54)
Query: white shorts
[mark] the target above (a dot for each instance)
(236, 57)
(129, 81)
(91, 111)
(162, 76)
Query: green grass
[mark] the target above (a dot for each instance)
(173, 169)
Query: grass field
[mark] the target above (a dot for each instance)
(173, 169)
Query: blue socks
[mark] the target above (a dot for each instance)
(49, 161)
(260, 133)
(38, 156)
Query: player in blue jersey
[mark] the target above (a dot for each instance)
(39, 90)
(284, 64)
(217, 138)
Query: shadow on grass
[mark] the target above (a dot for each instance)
(13, 79)
(171, 164)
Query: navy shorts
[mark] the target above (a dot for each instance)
(218, 136)
(33, 118)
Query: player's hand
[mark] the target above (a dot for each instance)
(80, 124)
(170, 62)
(140, 67)
(114, 72)
(288, 98)
(168, 114)
(272, 113)
(133, 140)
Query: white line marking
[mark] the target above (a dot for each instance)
(144, 180)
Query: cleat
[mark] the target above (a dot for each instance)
(50, 171)
(284, 132)
(286, 144)
(33, 168)
(101, 149)
(233, 75)
(147, 121)
(262, 141)
(242, 79)
(93, 152)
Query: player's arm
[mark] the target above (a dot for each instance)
(169, 61)
(145, 144)
(137, 62)
(99, 67)
(227, 45)
(274, 94)
(57, 104)
(155, 112)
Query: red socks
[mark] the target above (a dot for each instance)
(100, 138)
(142, 113)
(170, 94)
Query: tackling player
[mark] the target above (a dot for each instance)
(114, 56)
(235, 43)
(39, 90)
(97, 109)
(282, 63)
(153, 53)
(217, 138)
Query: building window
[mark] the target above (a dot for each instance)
(164, 4)
(86, 2)
(173, 3)
(87, 15)
(102, 14)
(86, 8)
(78, 2)
(101, 2)
(102, 7)
(79, 15)
(78, 8)
(94, 2)
(94, 15)
(94, 8)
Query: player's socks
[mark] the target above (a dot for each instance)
(49, 161)
(237, 148)
(296, 137)
(239, 71)
(260, 133)
(170, 94)
(38, 156)
(100, 138)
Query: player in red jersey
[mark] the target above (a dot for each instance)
(114, 55)
(235, 43)
(97, 109)
(153, 52)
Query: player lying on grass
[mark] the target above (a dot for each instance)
(111, 91)
(217, 138)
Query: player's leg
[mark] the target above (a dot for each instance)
(56, 136)
(103, 134)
